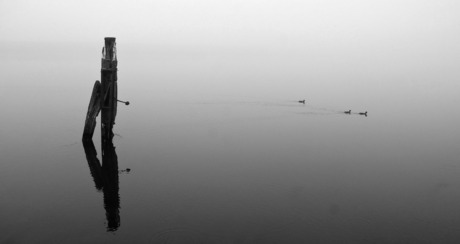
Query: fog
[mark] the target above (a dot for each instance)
(355, 41)
(219, 148)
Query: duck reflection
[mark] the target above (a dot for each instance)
(106, 179)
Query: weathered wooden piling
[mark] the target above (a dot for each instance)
(104, 99)
(109, 88)
(104, 95)
(93, 110)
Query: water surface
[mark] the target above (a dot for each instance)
(220, 151)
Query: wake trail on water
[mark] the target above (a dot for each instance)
(314, 109)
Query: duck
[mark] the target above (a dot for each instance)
(348, 112)
(302, 101)
(365, 113)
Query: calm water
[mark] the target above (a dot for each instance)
(220, 151)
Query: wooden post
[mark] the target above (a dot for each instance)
(104, 98)
(93, 110)
(109, 88)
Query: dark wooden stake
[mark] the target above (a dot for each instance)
(93, 110)
(105, 94)
(104, 98)
(108, 88)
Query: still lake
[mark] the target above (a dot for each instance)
(220, 150)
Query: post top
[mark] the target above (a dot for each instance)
(109, 38)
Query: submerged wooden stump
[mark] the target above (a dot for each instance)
(93, 110)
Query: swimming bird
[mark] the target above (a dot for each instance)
(302, 101)
(348, 112)
(365, 113)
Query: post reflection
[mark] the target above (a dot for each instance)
(105, 178)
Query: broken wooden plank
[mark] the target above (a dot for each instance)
(94, 108)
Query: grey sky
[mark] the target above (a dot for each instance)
(237, 22)
(363, 40)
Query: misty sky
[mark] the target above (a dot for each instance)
(292, 23)
(415, 37)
